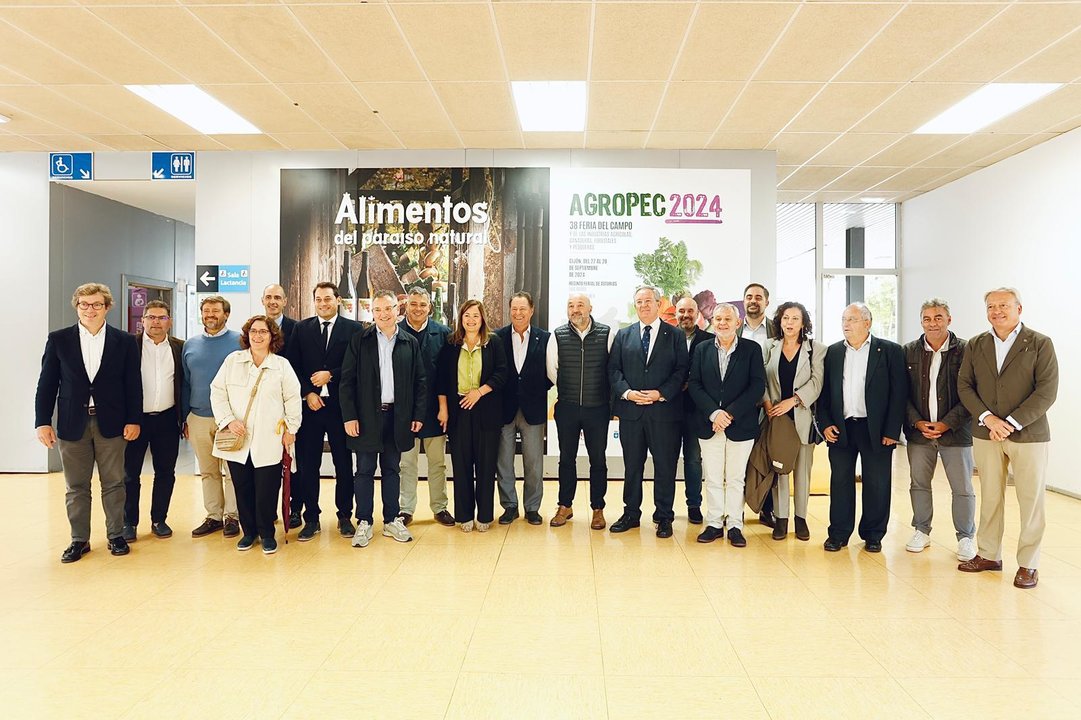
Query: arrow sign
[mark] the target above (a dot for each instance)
(71, 166)
(159, 174)
(173, 166)
(206, 278)
(207, 275)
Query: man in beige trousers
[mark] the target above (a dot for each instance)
(1008, 380)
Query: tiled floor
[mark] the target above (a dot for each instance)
(525, 622)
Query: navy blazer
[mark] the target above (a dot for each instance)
(700, 336)
(306, 354)
(526, 390)
(432, 339)
(63, 383)
(885, 393)
(666, 372)
(493, 373)
(738, 394)
(288, 326)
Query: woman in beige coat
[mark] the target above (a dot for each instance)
(794, 377)
(271, 424)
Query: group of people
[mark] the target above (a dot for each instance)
(745, 404)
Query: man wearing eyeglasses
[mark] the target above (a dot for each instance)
(164, 410)
(90, 374)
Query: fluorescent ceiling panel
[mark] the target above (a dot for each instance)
(550, 106)
(195, 107)
(987, 105)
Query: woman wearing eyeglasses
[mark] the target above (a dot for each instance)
(256, 395)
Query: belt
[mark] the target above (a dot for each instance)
(91, 410)
(160, 412)
(856, 419)
(386, 407)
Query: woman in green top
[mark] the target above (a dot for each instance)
(472, 369)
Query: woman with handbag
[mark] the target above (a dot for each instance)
(256, 401)
(794, 375)
(472, 370)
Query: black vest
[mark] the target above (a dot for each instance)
(583, 365)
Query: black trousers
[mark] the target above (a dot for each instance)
(573, 421)
(160, 433)
(662, 440)
(257, 491)
(473, 452)
(877, 476)
(389, 458)
(305, 483)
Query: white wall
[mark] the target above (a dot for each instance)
(1016, 223)
(24, 241)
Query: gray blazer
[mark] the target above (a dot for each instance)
(807, 383)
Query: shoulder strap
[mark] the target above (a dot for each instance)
(254, 390)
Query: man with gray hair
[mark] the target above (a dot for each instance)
(1009, 380)
(937, 425)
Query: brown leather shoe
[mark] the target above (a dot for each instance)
(598, 522)
(979, 564)
(444, 518)
(1026, 578)
(563, 514)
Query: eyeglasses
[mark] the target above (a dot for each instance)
(151, 318)
(87, 306)
(258, 332)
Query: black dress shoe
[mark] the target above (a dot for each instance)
(209, 526)
(780, 529)
(766, 518)
(802, 531)
(873, 546)
(625, 523)
(161, 530)
(75, 551)
(694, 515)
(118, 546)
(832, 545)
(710, 534)
(445, 519)
(309, 532)
(294, 519)
(346, 528)
(231, 527)
(735, 537)
(664, 529)
(533, 517)
(509, 515)
(128, 533)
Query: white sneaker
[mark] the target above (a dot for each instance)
(363, 535)
(483, 527)
(467, 526)
(966, 549)
(918, 542)
(396, 529)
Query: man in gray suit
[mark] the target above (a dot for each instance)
(1008, 381)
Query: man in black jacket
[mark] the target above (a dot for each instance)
(861, 408)
(90, 374)
(647, 368)
(525, 411)
(383, 395)
(316, 355)
(687, 318)
(274, 301)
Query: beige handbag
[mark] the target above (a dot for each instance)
(225, 439)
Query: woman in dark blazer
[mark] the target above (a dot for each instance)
(472, 370)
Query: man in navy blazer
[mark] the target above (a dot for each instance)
(647, 368)
(90, 373)
(687, 318)
(863, 401)
(274, 301)
(316, 354)
(525, 410)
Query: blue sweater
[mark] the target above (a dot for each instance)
(202, 358)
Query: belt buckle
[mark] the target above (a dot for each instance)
(91, 410)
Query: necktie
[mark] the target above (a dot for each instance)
(646, 330)
(325, 334)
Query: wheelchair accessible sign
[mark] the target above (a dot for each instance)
(71, 166)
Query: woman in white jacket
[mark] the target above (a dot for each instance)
(271, 424)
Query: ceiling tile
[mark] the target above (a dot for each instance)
(1059, 63)
(68, 142)
(790, 196)
(553, 139)
(466, 48)
(728, 40)
(798, 148)
(337, 107)
(489, 139)
(308, 141)
(912, 106)
(265, 106)
(637, 41)
(740, 140)
(1028, 142)
(678, 140)
(544, 41)
(831, 197)
(18, 143)
(248, 142)
(971, 150)
(39, 101)
(911, 149)
(854, 148)
(946, 179)
(784, 171)
(913, 178)
(1058, 107)
(860, 179)
(382, 54)
(813, 49)
(10, 77)
(124, 106)
(840, 106)
(407, 107)
(129, 142)
(25, 123)
(695, 106)
(917, 37)
(812, 177)
(429, 140)
(369, 141)
(623, 106)
(479, 107)
(768, 106)
(39, 62)
(616, 140)
(189, 142)
(273, 41)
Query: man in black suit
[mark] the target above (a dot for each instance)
(164, 410)
(316, 355)
(687, 318)
(274, 301)
(93, 369)
(863, 400)
(647, 368)
(525, 410)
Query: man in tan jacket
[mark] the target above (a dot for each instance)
(1008, 380)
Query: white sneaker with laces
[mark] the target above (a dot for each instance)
(396, 529)
(966, 549)
(467, 526)
(363, 534)
(483, 527)
(919, 542)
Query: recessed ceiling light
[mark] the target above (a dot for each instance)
(4, 119)
(873, 199)
(558, 106)
(990, 103)
(195, 107)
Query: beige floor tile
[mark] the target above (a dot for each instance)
(754, 597)
(90, 693)
(987, 596)
(787, 647)
(430, 560)
(632, 561)
(681, 597)
(545, 559)
(379, 557)
(811, 560)
(223, 590)
(503, 644)
(1061, 594)
(493, 537)
(524, 596)
(253, 690)
(1002, 699)
(305, 638)
(1045, 648)
(417, 595)
(687, 698)
(574, 533)
(34, 637)
(356, 693)
(429, 641)
(886, 597)
(855, 698)
(719, 559)
(1068, 688)
(523, 696)
(329, 593)
(670, 646)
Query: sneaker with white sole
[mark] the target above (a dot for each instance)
(483, 527)
(363, 535)
(920, 540)
(467, 526)
(396, 529)
(966, 549)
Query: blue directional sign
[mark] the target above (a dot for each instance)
(233, 278)
(71, 166)
(173, 166)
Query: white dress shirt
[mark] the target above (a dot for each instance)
(551, 353)
(92, 347)
(759, 334)
(656, 325)
(855, 379)
(936, 366)
(385, 346)
(1002, 349)
(158, 371)
(723, 357)
(323, 391)
(520, 344)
